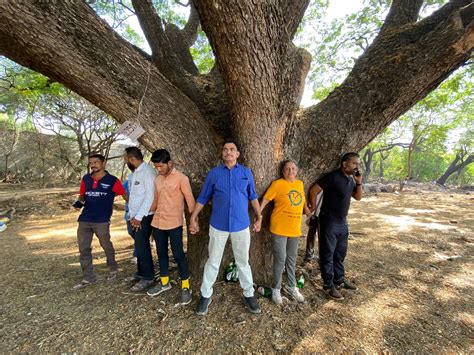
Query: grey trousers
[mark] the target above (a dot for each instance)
(285, 251)
(85, 232)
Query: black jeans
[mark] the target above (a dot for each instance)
(145, 267)
(333, 238)
(175, 236)
(311, 238)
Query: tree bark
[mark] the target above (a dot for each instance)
(256, 92)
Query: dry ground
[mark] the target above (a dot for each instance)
(411, 256)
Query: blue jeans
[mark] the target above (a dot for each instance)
(333, 238)
(145, 267)
(175, 236)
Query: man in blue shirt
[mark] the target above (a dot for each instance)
(230, 186)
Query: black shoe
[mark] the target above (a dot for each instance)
(252, 305)
(333, 293)
(345, 285)
(203, 306)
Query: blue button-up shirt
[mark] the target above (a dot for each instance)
(230, 191)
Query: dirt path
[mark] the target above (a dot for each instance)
(411, 256)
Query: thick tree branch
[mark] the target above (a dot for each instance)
(399, 68)
(151, 24)
(107, 71)
(190, 31)
(292, 13)
(172, 57)
(402, 12)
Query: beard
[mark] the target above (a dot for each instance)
(130, 166)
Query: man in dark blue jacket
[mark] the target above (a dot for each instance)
(96, 196)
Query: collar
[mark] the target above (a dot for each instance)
(92, 177)
(141, 167)
(173, 172)
(223, 166)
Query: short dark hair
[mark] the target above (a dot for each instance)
(134, 152)
(283, 164)
(160, 156)
(97, 156)
(233, 141)
(348, 156)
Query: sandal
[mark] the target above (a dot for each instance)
(82, 284)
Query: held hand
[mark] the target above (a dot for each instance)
(194, 226)
(257, 225)
(136, 224)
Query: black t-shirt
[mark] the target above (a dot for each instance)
(338, 189)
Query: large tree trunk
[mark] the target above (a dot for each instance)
(256, 91)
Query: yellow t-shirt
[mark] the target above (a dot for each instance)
(288, 211)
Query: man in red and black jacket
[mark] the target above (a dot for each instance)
(96, 196)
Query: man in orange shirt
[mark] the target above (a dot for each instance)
(171, 189)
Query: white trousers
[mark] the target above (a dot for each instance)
(240, 246)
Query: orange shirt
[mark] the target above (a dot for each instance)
(170, 193)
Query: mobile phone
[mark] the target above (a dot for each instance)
(357, 173)
(78, 204)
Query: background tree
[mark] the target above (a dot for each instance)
(464, 156)
(254, 90)
(76, 128)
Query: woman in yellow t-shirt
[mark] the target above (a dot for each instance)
(285, 226)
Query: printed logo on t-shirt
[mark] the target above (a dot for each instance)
(104, 186)
(95, 193)
(295, 197)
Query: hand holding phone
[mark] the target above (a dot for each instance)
(78, 205)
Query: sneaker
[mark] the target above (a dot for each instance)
(186, 296)
(3, 226)
(276, 296)
(333, 293)
(252, 305)
(158, 288)
(295, 293)
(134, 260)
(346, 285)
(203, 306)
(141, 285)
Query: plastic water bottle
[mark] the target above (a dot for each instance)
(265, 291)
(300, 281)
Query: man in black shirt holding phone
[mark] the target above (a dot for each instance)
(338, 188)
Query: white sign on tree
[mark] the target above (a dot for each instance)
(131, 129)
